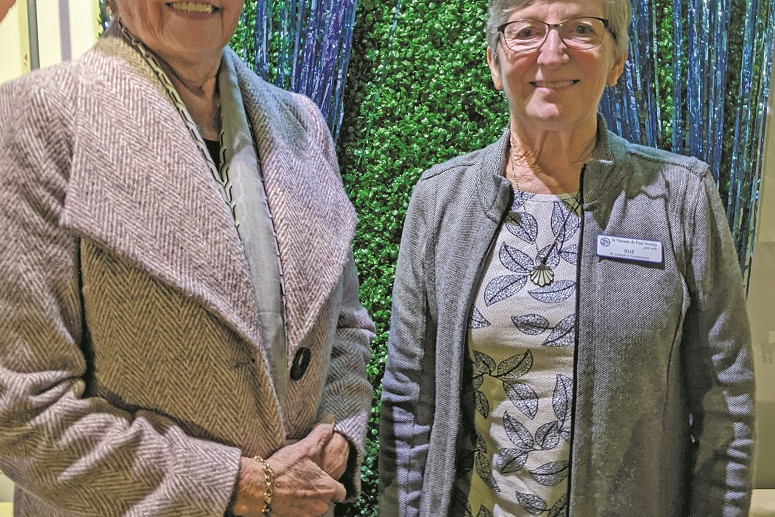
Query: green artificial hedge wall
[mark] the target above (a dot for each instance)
(416, 97)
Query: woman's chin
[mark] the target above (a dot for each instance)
(547, 120)
(554, 118)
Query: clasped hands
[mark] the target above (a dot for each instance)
(306, 477)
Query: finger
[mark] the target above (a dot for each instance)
(328, 418)
(340, 493)
(320, 436)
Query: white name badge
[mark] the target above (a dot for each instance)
(637, 250)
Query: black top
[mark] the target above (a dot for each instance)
(214, 147)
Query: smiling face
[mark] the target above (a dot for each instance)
(182, 31)
(556, 88)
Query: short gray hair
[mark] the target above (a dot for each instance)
(618, 13)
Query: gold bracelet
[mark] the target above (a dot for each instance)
(269, 482)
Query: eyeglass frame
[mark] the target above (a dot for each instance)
(549, 27)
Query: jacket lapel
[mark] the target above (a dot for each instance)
(140, 187)
(314, 219)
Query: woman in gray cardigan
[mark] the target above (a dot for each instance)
(569, 334)
(180, 331)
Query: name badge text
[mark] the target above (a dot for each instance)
(637, 250)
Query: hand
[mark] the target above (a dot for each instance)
(335, 455)
(248, 497)
(301, 487)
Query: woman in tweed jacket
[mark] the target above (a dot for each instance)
(179, 323)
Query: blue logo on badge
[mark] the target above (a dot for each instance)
(605, 241)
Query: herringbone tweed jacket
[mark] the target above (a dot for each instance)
(131, 376)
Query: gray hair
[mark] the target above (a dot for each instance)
(618, 13)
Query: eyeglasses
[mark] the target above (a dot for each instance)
(580, 33)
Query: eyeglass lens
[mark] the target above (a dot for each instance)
(579, 33)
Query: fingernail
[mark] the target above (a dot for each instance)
(328, 418)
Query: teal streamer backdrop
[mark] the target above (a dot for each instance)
(418, 92)
(697, 83)
(302, 46)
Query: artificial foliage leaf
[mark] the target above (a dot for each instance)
(517, 433)
(522, 396)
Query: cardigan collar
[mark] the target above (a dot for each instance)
(599, 173)
(140, 187)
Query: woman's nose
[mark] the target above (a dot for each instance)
(553, 50)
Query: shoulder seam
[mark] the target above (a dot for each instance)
(440, 169)
(691, 164)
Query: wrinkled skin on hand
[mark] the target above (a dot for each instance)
(335, 455)
(301, 487)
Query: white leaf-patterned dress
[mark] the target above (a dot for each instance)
(518, 395)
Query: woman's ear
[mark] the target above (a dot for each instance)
(495, 70)
(616, 70)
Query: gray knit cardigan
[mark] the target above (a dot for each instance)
(663, 415)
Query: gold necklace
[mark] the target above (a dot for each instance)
(542, 273)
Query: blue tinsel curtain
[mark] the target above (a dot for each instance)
(300, 45)
(715, 114)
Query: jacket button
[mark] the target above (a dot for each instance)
(300, 363)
